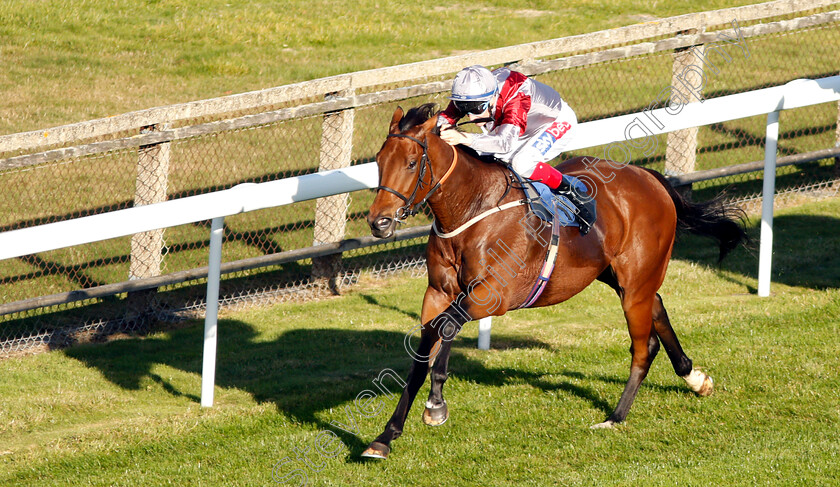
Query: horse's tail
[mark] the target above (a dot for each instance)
(713, 218)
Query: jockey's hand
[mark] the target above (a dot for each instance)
(455, 137)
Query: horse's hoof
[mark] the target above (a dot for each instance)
(606, 424)
(377, 450)
(700, 383)
(435, 416)
(708, 387)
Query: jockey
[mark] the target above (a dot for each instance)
(530, 125)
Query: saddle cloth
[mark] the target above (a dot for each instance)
(545, 204)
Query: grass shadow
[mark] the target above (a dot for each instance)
(373, 301)
(806, 252)
(304, 372)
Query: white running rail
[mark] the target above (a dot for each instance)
(249, 197)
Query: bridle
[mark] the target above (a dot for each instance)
(410, 207)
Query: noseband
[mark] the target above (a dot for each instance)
(410, 207)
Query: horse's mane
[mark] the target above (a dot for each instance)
(417, 115)
(488, 158)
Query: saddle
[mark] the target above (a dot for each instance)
(558, 211)
(546, 204)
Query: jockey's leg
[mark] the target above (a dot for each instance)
(559, 185)
(546, 174)
(531, 159)
(545, 146)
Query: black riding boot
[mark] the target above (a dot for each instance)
(582, 216)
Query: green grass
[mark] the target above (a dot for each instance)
(71, 61)
(127, 413)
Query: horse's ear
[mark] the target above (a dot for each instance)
(395, 121)
(429, 126)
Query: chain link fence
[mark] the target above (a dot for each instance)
(808, 165)
(130, 285)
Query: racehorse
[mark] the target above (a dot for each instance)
(485, 252)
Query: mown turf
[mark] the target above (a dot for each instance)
(67, 62)
(72, 61)
(127, 413)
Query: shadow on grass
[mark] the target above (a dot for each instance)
(806, 252)
(308, 372)
(375, 302)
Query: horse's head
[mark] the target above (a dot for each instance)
(405, 170)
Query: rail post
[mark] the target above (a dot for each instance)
(765, 256)
(147, 247)
(837, 141)
(211, 316)
(686, 76)
(331, 211)
(484, 325)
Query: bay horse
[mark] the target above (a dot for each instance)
(489, 266)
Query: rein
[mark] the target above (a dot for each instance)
(410, 207)
(477, 120)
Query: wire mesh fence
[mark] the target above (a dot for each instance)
(726, 144)
(57, 298)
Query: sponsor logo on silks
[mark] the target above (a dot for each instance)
(550, 136)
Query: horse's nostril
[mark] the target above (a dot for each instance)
(383, 223)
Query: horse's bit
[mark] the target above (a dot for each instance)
(410, 207)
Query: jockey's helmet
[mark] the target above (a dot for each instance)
(473, 89)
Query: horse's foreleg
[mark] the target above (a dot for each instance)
(448, 323)
(429, 350)
(436, 412)
(699, 382)
(643, 349)
(380, 447)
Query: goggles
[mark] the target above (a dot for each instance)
(476, 107)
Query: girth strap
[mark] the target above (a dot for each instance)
(548, 265)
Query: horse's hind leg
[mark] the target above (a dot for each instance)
(698, 381)
(643, 349)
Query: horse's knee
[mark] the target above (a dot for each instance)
(650, 351)
(652, 345)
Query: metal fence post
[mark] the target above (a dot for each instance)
(331, 212)
(765, 256)
(147, 247)
(837, 141)
(484, 327)
(211, 316)
(681, 148)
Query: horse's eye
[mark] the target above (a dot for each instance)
(412, 164)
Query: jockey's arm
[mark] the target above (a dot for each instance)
(449, 116)
(502, 138)
(499, 140)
